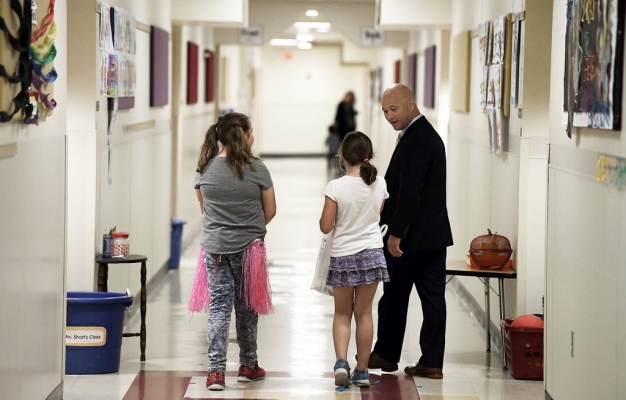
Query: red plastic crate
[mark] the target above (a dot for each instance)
(524, 350)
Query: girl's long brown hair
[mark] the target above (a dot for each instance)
(229, 130)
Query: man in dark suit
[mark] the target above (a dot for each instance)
(417, 239)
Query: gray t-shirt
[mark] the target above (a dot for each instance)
(233, 213)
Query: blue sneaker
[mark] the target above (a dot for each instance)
(342, 373)
(361, 377)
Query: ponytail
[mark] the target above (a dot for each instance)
(368, 172)
(356, 148)
(210, 147)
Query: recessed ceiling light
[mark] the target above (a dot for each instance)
(312, 25)
(304, 45)
(283, 42)
(312, 13)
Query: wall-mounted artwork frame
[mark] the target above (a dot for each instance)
(411, 70)
(430, 60)
(461, 49)
(594, 64)
(192, 73)
(159, 66)
(209, 76)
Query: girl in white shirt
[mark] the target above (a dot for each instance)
(352, 212)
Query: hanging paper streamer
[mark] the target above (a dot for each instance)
(19, 41)
(43, 52)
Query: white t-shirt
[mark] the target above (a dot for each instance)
(358, 214)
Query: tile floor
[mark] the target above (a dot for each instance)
(295, 344)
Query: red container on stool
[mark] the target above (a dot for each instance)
(121, 243)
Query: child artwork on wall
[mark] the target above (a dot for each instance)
(594, 56)
(112, 76)
(483, 42)
(498, 40)
(494, 87)
(484, 82)
(514, 60)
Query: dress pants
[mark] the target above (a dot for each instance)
(427, 271)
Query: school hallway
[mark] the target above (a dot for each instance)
(295, 344)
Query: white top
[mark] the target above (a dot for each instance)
(358, 214)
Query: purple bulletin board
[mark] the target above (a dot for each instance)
(412, 72)
(159, 66)
(429, 76)
(192, 73)
(123, 103)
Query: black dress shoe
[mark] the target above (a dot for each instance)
(377, 362)
(426, 372)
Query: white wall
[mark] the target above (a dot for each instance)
(33, 239)
(585, 275)
(298, 95)
(191, 121)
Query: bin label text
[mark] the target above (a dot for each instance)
(85, 336)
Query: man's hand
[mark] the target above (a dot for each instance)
(393, 245)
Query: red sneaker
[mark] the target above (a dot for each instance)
(216, 380)
(247, 374)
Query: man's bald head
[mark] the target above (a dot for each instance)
(398, 104)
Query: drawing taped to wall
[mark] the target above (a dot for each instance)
(484, 82)
(594, 52)
(515, 28)
(483, 42)
(498, 40)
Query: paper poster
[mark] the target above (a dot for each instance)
(112, 76)
(484, 82)
(106, 34)
(483, 42)
(514, 61)
(494, 87)
(498, 40)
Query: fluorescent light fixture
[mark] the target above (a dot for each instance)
(283, 42)
(305, 45)
(312, 13)
(303, 37)
(312, 25)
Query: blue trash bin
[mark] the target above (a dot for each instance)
(176, 242)
(94, 329)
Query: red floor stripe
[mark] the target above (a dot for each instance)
(391, 387)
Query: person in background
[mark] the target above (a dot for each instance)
(332, 143)
(352, 212)
(237, 200)
(345, 117)
(417, 239)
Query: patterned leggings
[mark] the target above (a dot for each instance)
(224, 276)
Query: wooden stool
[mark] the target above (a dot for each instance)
(103, 275)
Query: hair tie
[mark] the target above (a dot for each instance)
(366, 160)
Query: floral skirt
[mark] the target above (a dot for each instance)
(365, 267)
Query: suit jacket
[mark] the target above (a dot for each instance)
(416, 181)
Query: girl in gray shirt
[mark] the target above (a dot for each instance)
(236, 195)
